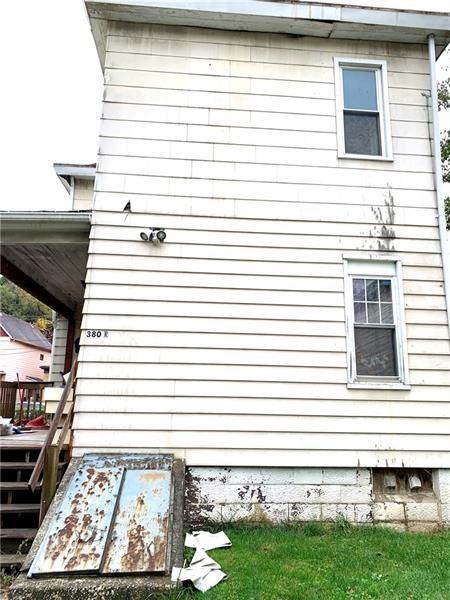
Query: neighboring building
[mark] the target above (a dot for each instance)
(24, 350)
(290, 337)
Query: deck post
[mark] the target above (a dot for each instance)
(69, 345)
(49, 479)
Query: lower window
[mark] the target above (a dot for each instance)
(375, 328)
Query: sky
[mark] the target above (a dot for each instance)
(51, 90)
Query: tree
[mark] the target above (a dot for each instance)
(16, 302)
(444, 104)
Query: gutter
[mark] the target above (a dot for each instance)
(42, 227)
(47, 216)
(438, 175)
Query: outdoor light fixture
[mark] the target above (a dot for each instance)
(156, 235)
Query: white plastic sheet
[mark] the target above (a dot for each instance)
(204, 572)
(207, 541)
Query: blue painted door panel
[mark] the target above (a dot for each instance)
(114, 518)
(76, 539)
(139, 534)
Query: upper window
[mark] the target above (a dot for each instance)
(376, 345)
(362, 109)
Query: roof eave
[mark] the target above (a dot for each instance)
(307, 19)
(45, 227)
(66, 171)
(81, 171)
(50, 217)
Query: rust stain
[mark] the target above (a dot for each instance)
(139, 536)
(152, 476)
(77, 538)
(76, 541)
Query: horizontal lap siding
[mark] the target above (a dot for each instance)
(82, 194)
(59, 344)
(226, 344)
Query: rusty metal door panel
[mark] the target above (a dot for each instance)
(159, 462)
(139, 535)
(76, 539)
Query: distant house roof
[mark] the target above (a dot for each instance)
(20, 331)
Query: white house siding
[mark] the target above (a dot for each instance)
(59, 343)
(82, 194)
(226, 344)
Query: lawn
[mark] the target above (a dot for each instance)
(330, 563)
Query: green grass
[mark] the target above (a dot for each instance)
(318, 562)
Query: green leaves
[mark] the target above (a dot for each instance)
(444, 104)
(444, 94)
(18, 303)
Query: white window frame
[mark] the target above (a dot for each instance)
(380, 67)
(377, 267)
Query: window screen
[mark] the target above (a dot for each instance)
(361, 111)
(374, 328)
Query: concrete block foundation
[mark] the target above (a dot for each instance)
(281, 495)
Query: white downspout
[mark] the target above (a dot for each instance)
(438, 175)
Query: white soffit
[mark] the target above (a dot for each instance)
(81, 171)
(376, 20)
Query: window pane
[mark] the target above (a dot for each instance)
(372, 290)
(385, 290)
(387, 315)
(375, 352)
(358, 290)
(360, 89)
(362, 134)
(373, 312)
(360, 312)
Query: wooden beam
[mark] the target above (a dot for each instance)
(49, 480)
(14, 274)
(69, 345)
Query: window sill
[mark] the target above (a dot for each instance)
(366, 157)
(382, 385)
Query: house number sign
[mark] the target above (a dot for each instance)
(96, 333)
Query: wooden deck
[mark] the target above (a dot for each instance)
(20, 441)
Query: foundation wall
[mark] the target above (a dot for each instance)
(224, 494)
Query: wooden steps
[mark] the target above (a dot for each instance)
(18, 534)
(11, 560)
(16, 466)
(30, 440)
(19, 508)
(32, 464)
(19, 466)
(16, 486)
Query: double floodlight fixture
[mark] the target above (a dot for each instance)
(156, 235)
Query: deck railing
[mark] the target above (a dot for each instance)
(22, 396)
